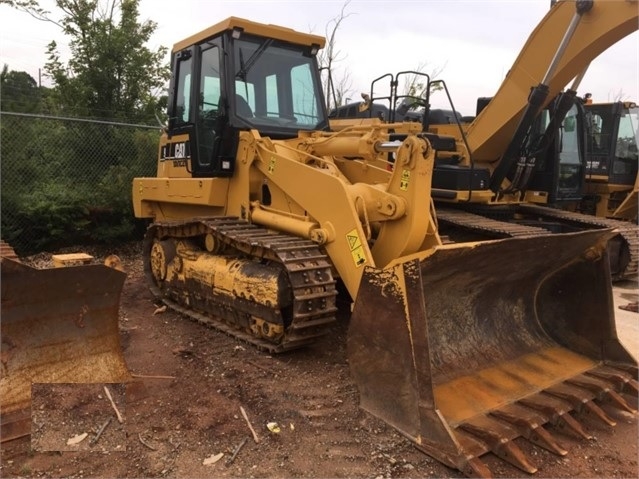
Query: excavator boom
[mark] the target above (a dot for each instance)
(604, 24)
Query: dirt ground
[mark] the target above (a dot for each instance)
(187, 407)
(78, 417)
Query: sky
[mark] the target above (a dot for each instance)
(472, 43)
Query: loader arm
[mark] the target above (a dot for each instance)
(603, 25)
(346, 234)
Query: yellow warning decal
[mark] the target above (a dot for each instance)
(403, 184)
(271, 165)
(355, 245)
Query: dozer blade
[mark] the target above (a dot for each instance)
(58, 325)
(467, 347)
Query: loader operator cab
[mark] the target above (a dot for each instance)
(235, 76)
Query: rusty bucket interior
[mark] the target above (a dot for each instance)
(59, 325)
(467, 348)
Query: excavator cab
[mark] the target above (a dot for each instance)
(612, 145)
(612, 141)
(561, 166)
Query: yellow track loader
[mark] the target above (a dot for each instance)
(259, 210)
(59, 325)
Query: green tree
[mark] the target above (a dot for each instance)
(68, 181)
(112, 73)
(19, 92)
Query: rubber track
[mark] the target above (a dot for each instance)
(308, 268)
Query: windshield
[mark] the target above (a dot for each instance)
(276, 85)
(569, 151)
(628, 137)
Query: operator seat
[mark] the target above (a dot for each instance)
(242, 108)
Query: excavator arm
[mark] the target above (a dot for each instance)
(551, 59)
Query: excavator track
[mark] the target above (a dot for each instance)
(627, 230)
(308, 272)
(627, 266)
(487, 226)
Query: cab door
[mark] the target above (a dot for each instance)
(199, 137)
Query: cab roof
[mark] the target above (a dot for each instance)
(254, 28)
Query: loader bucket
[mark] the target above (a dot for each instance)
(467, 347)
(58, 325)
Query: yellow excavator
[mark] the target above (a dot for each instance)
(59, 325)
(259, 211)
(496, 175)
(497, 145)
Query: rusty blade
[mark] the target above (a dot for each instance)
(443, 338)
(58, 326)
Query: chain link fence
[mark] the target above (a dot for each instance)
(67, 181)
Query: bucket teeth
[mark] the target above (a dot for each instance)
(527, 416)
(557, 414)
(599, 413)
(476, 468)
(531, 429)
(624, 381)
(632, 386)
(603, 390)
(581, 401)
(498, 437)
(617, 399)
(569, 422)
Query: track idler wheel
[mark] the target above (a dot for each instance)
(161, 254)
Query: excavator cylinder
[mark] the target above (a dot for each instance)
(59, 325)
(468, 347)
